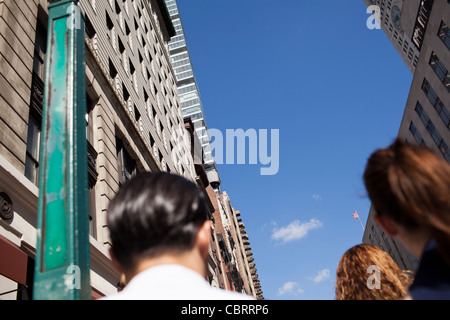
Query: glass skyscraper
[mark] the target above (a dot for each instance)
(188, 92)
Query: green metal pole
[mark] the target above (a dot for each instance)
(62, 252)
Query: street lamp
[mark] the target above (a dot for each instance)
(62, 251)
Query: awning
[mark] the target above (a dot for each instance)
(13, 262)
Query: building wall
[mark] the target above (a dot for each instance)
(234, 247)
(427, 124)
(432, 44)
(376, 236)
(16, 54)
(399, 32)
(147, 120)
(242, 251)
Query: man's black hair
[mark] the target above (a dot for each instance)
(153, 214)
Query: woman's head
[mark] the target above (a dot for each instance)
(411, 186)
(366, 272)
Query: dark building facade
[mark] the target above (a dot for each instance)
(426, 119)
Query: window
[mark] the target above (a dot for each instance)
(127, 165)
(90, 32)
(440, 70)
(36, 106)
(132, 72)
(112, 70)
(33, 147)
(436, 102)
(40, 50)
(92, 164)
(137, 114)
(111, 32)
(444, 34)
(434, 133)
(129, 36)
(416, 134)
(126, 94)
(422, 22)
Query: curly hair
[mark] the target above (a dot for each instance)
(354, 275)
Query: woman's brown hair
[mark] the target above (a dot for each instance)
(353, 275)
(411, 185)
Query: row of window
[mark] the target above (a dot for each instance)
(422, 19)
(119, 46)
(440, 70)
(417, 136)
(443, 75)
(39, 60)
(434, 133)
(436, 103)
(402, 42)
(150, 110)
(444, 34)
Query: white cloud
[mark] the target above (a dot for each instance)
(295, 230)
(290, 288)
(322, 275)
(317, 197)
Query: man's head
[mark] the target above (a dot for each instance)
(155, 214)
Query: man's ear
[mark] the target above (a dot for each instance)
(387, 225)
(204, 238)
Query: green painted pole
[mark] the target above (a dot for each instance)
(62, 252)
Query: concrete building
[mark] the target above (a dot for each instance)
(133, 122)
(392, 21)
(237, 260)
(215, 273)
(242, 251)
(424, 26)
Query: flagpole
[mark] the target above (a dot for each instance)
(364, 229)
(356, 216)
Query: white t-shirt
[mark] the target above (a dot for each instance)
(173, 282)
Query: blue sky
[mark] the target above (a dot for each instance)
(336, 91)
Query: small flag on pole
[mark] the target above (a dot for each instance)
(356, 216)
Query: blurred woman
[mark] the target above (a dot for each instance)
(410, 190)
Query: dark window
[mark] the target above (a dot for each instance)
(36, 106)
(436, 102)
(420, 27)
(444, 34)
(89, 29)
(127, 165)
(434, 133)
(33, 149)
(416, 134)
(440, 70)
(40, 50)
(112, 70)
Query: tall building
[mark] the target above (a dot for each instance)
(234, 251)
(391, 20)
(242, 252)
(133, 122)
(424, 26)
